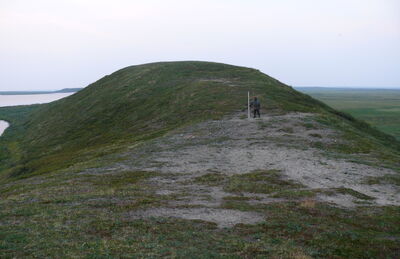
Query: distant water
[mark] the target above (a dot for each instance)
(3, 126)
(12, 100)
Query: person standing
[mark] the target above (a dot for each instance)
(255, 104)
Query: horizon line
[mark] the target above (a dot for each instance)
(350, 87)
(294, 86)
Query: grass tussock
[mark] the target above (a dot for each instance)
(386, 179)
(259, 182)
(305, 229)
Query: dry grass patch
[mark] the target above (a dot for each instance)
(309, 204)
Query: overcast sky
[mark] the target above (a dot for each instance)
(53, 44)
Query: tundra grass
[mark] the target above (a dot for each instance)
(263, 181)
(258, 182)
(385, 179)
(85, 216)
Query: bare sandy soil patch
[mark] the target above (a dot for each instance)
(237, 146)
(223, 217)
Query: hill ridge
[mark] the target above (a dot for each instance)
(142, 102)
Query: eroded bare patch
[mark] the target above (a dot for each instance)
(222, 217)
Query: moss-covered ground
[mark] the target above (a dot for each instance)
(87, 216)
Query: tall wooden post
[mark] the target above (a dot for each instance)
(248, 105)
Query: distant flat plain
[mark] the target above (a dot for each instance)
(378, 107)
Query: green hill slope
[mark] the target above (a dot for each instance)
(144, 163)
(139, 103)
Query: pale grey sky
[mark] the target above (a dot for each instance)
(53, 44)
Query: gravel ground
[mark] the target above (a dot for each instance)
(236, 146)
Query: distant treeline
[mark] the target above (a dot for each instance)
(65, 90)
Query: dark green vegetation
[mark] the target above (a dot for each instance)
(271, 182)
(388, 179)
(51, 207)
(255, 182)
(379, 107)
(65, 90)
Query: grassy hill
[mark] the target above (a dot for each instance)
(134, 104)
(76, 173)
(142, 102)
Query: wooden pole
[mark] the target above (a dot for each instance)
(248, 105)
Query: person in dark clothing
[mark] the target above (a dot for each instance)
(255, 104)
